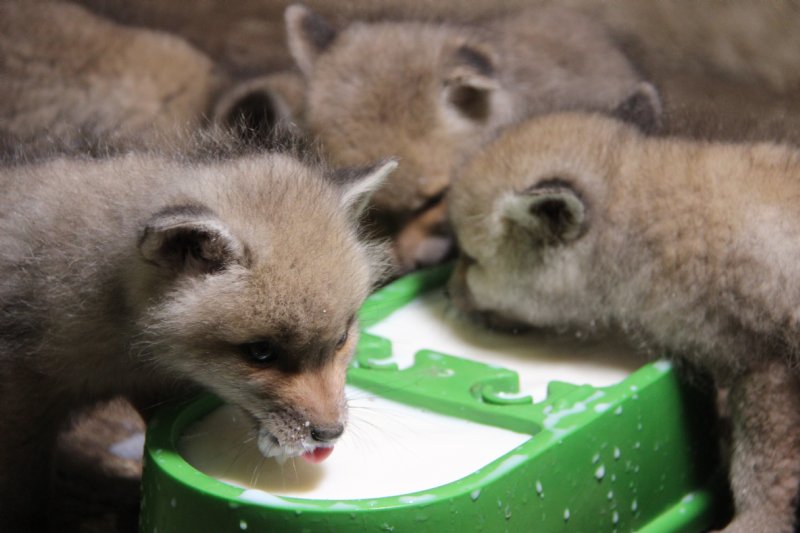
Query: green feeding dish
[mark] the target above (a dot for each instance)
(635, 455)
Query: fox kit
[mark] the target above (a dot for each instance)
(68, 74)
(579, 220)
(430, 92)
(145, 275)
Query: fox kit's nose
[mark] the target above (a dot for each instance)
(327, 433)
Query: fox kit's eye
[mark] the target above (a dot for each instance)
(260, 352)
(342, 339)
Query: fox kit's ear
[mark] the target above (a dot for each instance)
(253, 108)
(189, 239)
(552, 211)
(309, 35)
(359, 184)
(469, 83)
(642, 108)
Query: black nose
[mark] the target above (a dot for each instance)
(327, 433)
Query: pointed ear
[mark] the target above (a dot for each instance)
(470, 83)
(308, 34)
(252, 109)
(552, 211)
(641, 108)
(359, 184)
(189, 239)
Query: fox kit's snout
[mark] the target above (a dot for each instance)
(305, 411)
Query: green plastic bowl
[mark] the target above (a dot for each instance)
(635, 456)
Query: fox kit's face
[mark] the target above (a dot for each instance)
(260, 301)
(528, 213)
(280, 356)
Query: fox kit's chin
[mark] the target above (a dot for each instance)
(312, 451)
(294, 439)
(270, 446)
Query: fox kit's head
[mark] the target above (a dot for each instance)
(409, 89)
(254, 282)
(430, 93)
(530, 212)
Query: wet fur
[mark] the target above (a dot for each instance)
(691, 247)
(144, 274)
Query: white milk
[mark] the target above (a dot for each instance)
(388, 449)
(431, 322)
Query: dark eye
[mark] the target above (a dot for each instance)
(260, 352)
(342, 339)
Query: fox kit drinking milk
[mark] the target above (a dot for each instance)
(144, 275)
(429, 92)
(579, 220)
(66, 73)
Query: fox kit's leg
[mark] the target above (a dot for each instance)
(765, 462)
(28, 428)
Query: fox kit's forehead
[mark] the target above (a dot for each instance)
(270, 302)
(399, 63)
(387, 50)
(306, 255)
(317, 279)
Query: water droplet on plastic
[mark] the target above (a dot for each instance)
(600, 472)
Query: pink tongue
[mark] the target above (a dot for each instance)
(318, 454)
